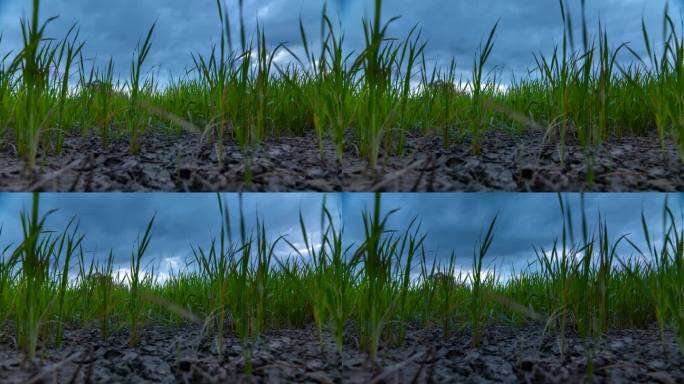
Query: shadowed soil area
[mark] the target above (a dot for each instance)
(507, 163)
(507, 355)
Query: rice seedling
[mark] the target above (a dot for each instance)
(33, 105)
(7, 78)
(103, 101)
(135, 307)
(327, 85)
(375, 114)
(332, 273)
(69, 50)
(479, 117)
(134, 114)
(447, 287)
(662, 82)
(216, 74)
(411, 248)
(7, 277)
(216, 265)
(663, 285)
(73, 242)
(240, 282)
(480, 283)
(105, 287)
(34, 254)
(86, 286)
(375, 303)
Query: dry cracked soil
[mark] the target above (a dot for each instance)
(185, 163)
(507, 355)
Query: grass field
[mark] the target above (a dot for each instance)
(237, 285)
(372, 98)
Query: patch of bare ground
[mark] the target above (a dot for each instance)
(507, 163)
(507, 355)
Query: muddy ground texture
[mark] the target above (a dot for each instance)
(508, 163)
(507, 355)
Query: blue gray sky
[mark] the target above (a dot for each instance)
(454, 28)
(451, 221)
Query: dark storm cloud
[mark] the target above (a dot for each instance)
(454, 28)
(451, 221)
(456, 222)
(113, 221)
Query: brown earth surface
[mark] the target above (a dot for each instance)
(507, 355)
(508, 163)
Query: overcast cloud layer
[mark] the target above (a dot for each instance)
(451, 221)
(454, 28)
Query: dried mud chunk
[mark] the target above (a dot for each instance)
(662, 185)
(499, 178)
(661, 377)
(157, 370)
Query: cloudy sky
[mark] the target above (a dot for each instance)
(451, 221)
(454, 28)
